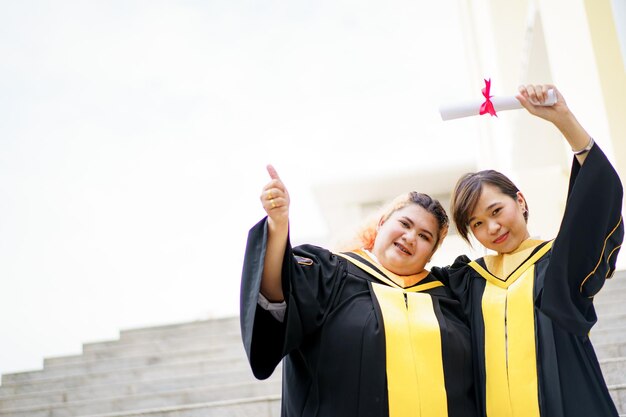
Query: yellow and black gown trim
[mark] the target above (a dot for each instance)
(415, 375)
(509, 319)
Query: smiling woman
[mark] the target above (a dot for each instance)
(497, 210)
(365, 332)
(531, 303)
(407, 237)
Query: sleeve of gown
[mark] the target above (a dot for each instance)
(309, 282)
(585, 250)
(457, 278)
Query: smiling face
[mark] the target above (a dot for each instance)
(497, 221)
(406, 240)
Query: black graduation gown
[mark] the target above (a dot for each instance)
(566, 374)
(333, 337)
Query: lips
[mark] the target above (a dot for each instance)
(402, 248)
(502, 238)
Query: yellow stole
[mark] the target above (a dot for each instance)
(509, 318)
(415, 379)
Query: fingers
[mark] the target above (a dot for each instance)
(272, 171)
(275, 188)
(535, 95)
(275, 203)
(274, 196)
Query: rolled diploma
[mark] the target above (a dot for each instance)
(472, 108)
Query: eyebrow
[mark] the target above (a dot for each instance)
(489, 207)
(428, 232)
(421, 230)
(408, 220)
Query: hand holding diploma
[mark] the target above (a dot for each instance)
(534, 97)
(489, 104)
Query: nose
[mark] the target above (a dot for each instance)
(410, 237)
(494, 227)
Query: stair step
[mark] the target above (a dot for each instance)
(268, 406)
(82, 365)
(612, 307)
(220, 370)
(228, 335)
(609, 350)
(194, 328)
(618, 393)
(609, 295)
(608, 335)
(613, 370)
(147, 349)
(617, 281)
(133, 371)
(611, 320)
(115, 349)
(26, 396)
(196, 395)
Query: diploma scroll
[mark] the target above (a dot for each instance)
(472, 108)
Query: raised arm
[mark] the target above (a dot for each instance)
(585, 250)
(559, 114)
(275, 201)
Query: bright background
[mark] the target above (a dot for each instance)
(134, 137)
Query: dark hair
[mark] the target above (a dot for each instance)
(367, 234)
(468, 190)
(435, 208)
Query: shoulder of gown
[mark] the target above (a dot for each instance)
(585, 250)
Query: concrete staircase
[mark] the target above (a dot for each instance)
(609, 337)
(186, 370)
(200, 369)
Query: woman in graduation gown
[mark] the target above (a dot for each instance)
(367, 332)
(530, 305)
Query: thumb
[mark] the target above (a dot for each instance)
(272, 171)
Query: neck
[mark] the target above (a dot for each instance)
(403, 281)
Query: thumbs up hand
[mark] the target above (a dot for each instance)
(275, 200)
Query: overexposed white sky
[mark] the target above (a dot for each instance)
(134, 137)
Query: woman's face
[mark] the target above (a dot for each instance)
(406, 240)
(498, 222)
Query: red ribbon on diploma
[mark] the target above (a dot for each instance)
(487, 106)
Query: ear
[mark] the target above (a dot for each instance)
(521, 200)
(380, 223)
